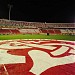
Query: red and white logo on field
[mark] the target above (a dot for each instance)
(36, 56)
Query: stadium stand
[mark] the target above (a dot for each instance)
(5, 31)
(51, 31)
(23, 27)
(29, 31)
(63, 31)
(73, 32)
(44, 31)
(14, 31)
(57, 31)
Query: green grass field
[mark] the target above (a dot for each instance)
(38, 36)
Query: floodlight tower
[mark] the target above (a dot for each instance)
(10, 6)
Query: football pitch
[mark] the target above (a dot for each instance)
(38, 36)
(37, 54)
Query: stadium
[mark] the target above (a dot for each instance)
(36, 48)
(36, 30)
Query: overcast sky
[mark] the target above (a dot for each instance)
(53, 11)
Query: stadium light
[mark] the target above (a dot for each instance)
(10, 6)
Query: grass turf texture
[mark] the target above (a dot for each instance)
(38, 36)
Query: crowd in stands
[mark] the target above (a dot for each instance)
(23, 27)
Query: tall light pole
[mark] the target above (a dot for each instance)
(10, 6)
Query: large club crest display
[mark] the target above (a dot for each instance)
(37, 57)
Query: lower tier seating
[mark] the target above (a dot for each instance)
(29, 31)
(37, 31)
(9, 31)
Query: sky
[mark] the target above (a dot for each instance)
(52, 11)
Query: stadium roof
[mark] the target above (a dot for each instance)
(53, 11)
